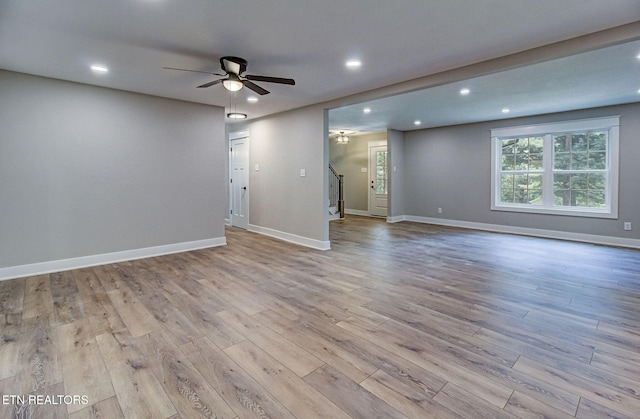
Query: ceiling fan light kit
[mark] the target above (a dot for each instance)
(234, 68)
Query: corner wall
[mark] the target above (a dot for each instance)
(87, 171)
(283, 203)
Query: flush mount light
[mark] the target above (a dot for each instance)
(353, 64)
(506, 110)
(252, 99)
(236, 115)
(366, 110)
(97, 68)
(465, 91)
(417, 122)
(342, 139)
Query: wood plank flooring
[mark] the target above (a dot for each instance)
(397, 320)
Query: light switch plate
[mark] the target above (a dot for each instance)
(303, 172)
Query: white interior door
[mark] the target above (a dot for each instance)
(378, 180)
(239, 181)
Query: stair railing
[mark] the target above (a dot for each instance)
(336, 190)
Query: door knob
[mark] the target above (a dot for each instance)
(244, 188)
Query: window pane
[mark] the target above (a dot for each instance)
(579, 143)
(597, 181)
(535, 144)
(535, 161)
(506, 181)
(535, 196)
(507, 146)
(579, 161)
(509, 162)
(561, 143)
(562, 161)
(507, 196)
(597, 141)
(598, 160)
(579, 181)
(596, 199)
(562, 197)
(522, 145)
(561, 181)
(522, 162)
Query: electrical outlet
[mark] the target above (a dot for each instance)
(439, 210)
(627, 226)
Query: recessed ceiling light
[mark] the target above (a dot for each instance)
(417, 122)
(99, 68)
(465, 91)
(366, 110)
(252, 99)
(236, 115)
(506, 110)
(353, 63)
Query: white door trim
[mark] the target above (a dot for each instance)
(373, 199)
(234, 136)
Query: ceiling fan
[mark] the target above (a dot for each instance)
(234, 68)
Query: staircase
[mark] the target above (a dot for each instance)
(336, 195)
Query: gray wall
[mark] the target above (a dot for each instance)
(86, 170)
(395, 147)
(348, 160)
(450, 168)
(280, 199)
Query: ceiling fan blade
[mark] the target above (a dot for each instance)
(192, 71)
(259, 90)
(271, 79)
(211, 83)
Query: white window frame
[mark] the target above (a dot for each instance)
(610, 124)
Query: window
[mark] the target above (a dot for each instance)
(381, 172)
(565, 168)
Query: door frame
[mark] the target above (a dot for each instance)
(370, 145)
(233, 136)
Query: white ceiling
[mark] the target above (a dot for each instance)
(309, 40)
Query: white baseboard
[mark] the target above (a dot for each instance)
(396, 219)
(291, 238)
(357, 212)
(103, 259)
(525, 231)
(227, 222)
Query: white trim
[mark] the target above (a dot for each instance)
(105, 258)
(357, 212)
(227, 222)
(397, 219)
(525, 231)
(291, 238)
(557, 127)
(238, 134)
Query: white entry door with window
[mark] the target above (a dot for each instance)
(378, 180)
(239, 179)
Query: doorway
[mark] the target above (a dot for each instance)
(239, 179)
(378, 179)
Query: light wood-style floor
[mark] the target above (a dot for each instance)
(397, 320)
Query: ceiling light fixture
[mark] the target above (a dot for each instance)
(353, 63)
(465, 91)
(252, 99)
(236, 115)
(366, 110)
(97, 68)
(417, 122)
(506, 110)
(233, 83)
(342, 139)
